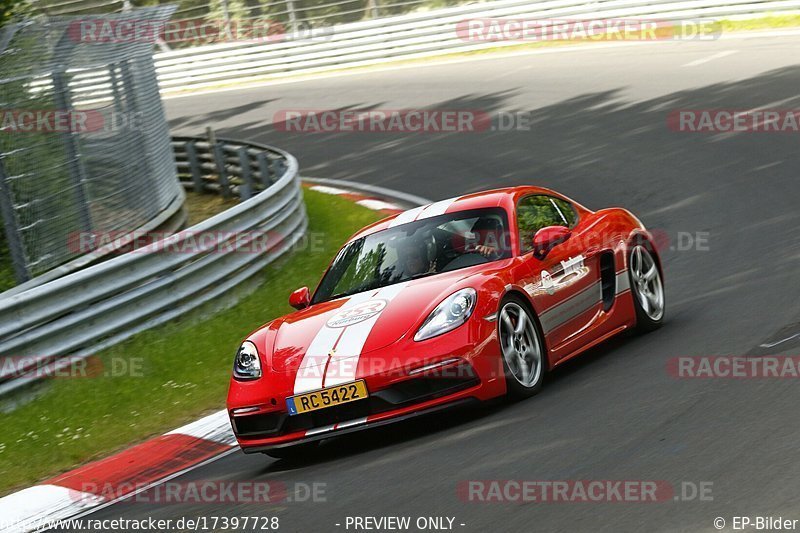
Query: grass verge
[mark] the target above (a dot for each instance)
(202, 206)
(174, 373)
(768, 22)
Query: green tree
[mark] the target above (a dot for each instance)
(10, 8)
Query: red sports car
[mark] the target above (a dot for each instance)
(462, 300)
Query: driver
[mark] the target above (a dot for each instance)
(487, 232)
(414, 258)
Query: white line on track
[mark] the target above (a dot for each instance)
(712, 57)
(774, 344)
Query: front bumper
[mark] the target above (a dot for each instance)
(357, 425)
(261, 427)
(398, 386)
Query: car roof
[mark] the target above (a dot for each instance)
(505, 198)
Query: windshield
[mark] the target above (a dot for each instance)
(415, 250)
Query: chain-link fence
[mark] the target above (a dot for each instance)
(84, 143)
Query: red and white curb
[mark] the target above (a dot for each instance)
(124, 474)
(155, 461)
(370, 202)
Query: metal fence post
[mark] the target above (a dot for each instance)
(18, 259)
(246, 190)
(194, 167)
(279, 166)
(77, 171)
(226, 15)
(222, 172)
(292, 15)
(372, 8)
(263, 169)
(219, 159)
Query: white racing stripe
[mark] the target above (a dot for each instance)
(348, 342)
(571, 308)
(623, 282)
(436, 209)
(341, 368)
(426, 211)
(579, 303)
(344, 363)
(312, 368)
(406, 217)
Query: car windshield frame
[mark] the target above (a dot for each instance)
(323, 294)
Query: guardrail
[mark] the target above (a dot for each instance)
(415, 35)
(225, 167)
(51, 326)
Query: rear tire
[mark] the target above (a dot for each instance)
(647, 288)
(521, 349)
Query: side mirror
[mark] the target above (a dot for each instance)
(300, 299)
(548, 238)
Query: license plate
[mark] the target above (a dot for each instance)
(311, 401)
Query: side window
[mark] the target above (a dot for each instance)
(539, 211)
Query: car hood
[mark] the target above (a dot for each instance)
(360, 323)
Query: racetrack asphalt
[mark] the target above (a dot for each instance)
(598, 134)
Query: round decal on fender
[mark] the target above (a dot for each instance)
(356, 314)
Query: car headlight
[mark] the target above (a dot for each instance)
(247, 364)
(448, 315)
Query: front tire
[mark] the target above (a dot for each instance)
(522, 349)
(647, 288)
